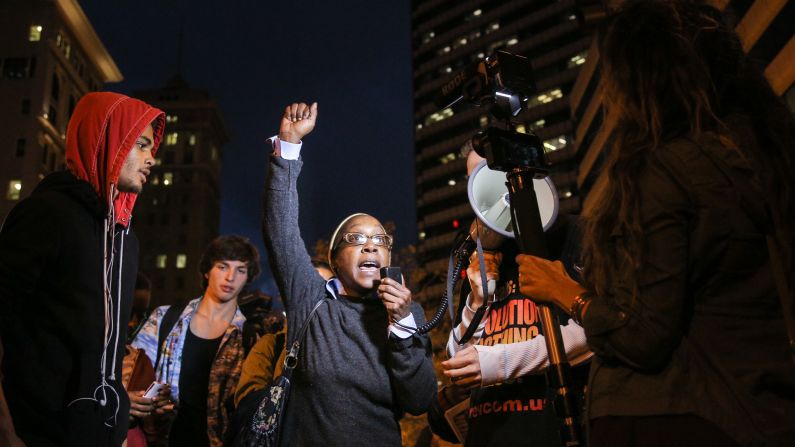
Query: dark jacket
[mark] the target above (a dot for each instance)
(353, 381)
(53, 316)
(705, 335)
(65, 298)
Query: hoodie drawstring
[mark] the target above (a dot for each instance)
(110, 324)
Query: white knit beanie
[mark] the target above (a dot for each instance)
(334, 241)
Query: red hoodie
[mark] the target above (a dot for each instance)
(102, 131)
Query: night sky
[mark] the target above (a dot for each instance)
(254, 57)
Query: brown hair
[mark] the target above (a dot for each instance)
(673, 68)
(230, 248)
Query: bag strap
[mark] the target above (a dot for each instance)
(291, 359)
(280, 340)
(166, 325)
(785, 295)
(484, 307)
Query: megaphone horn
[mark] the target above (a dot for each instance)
(488, 197)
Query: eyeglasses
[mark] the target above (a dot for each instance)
(361, 239)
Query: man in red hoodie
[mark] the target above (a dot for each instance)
(68, 263)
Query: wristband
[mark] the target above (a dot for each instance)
(577, 306)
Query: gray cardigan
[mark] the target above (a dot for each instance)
(353, 381)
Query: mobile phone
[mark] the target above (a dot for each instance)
(153, 390)
(391, 272)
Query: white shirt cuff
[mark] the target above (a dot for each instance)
(289, 151)
(399, 331)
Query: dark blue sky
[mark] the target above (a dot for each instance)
(255, 57)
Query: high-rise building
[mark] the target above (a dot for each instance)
(50, 56)
(766, 33)
(178, 213)
(449, 36)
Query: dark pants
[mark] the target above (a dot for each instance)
(653, 431)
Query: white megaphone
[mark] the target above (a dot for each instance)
(489, 198)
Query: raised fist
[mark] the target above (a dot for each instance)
(298, 120)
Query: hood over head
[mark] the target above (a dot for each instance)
(102, 131)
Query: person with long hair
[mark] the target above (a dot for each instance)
(687, 251)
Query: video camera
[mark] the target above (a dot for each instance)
(502, 82)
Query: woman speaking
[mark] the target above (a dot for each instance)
(361, 365)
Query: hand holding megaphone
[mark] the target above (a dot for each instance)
(492, 261)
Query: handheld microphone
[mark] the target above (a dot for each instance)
(391, 272)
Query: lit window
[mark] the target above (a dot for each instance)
(545, 97)
(161, 261)
(577, 59)
(192, 140)
(171, 139)
(158, 162)
(520, 128)
(14, 188)
(172, 118)
(428, 36)
(484, 120)
(451, 182)
(182, 261)
(155, 179)
(35, 33)
(556, 143)
(538, 125)
(447, 158)
(512, 41)
(168, 178)
(439, 116)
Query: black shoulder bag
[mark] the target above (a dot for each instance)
(264, 428)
